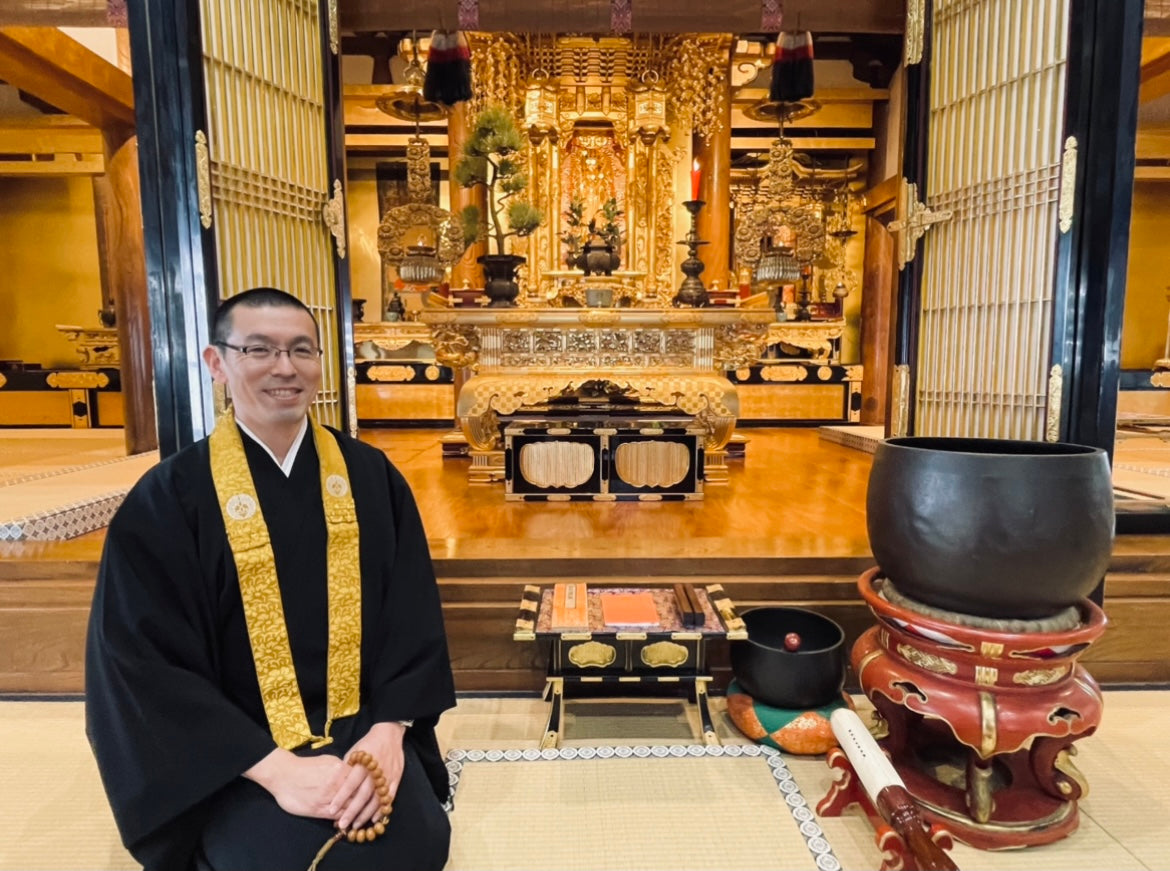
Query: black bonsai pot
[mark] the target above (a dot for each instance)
(792, 659)
(991, 527)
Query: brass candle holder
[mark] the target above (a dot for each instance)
(692, 292)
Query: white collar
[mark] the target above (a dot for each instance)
(291, 456)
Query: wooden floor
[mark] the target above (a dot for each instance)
(794, 495)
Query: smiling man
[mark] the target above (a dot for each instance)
(265, 606)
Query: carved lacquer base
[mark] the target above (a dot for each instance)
(982, 722)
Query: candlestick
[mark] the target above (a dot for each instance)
(692, 292)
(696, 180)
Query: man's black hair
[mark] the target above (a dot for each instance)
(256, 297)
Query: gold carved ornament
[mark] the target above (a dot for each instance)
(455, 346)
(988, 728)
(592, 654)
(915, 31)
(351, 396)
(1064, 764)
(334, 32)
(780, 211)
(1055, 396)
(1037, 677)
(927, 661)
(916, 219)
(203, 178)
(77, 380)
(390, 373)
(333, 213)
(739, 345)
(901, 390)
(1068, 184)
(664, 654)
(697, 80)
(436, 234)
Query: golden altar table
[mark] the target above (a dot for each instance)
(525, 357)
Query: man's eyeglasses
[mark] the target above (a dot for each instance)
(271, 353)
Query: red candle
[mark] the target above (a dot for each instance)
(696, 179)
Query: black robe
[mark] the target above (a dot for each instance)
(173, 706)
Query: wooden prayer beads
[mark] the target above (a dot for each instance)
(385, 805)
(382, 788)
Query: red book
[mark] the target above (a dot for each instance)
(629, 609)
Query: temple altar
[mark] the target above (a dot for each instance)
(668, 360)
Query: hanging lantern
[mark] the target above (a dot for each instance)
(649, 118)
(540, 105)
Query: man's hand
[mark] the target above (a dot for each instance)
(355, 802)
(302, 785)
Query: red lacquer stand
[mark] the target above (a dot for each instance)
(847, 790)
(982, 722)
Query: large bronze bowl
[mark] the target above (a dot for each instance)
(991, 527)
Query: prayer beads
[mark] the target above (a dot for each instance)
(381, 788)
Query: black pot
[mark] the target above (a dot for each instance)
(991, 527)
(598, 259)
(499, 278)
(809, 677)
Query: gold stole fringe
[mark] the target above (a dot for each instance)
(263, 610)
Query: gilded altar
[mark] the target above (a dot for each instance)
(607, 119)
(673, 359)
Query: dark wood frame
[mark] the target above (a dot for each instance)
(181, 277)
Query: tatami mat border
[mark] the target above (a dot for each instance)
(802, 814)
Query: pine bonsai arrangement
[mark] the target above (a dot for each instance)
(492, 157)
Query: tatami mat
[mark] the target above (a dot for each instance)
(657, 807)
(673, 811)
(26, 454)
(58, 484)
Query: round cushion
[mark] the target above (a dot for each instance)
(793, 731)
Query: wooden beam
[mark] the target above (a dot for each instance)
(810, 143)
(59, 13)
(1153, 144)
(49, 134)
(61, 71)
(649, 16)
(1155, 75)
(881, 196)
(1151, 173)
(90, 164)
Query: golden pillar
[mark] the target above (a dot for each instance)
(714, 224)
(544, 167)
(649, 190)
(466, 272)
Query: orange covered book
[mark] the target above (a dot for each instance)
(629, 609)
(570, 607)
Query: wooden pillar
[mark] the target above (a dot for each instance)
(466, 271)
(878, 315)
(714, 224)
(118, 203)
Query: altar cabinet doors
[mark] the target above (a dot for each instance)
(239, 105)
(996, 312)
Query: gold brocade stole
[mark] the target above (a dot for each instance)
(263, 610)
